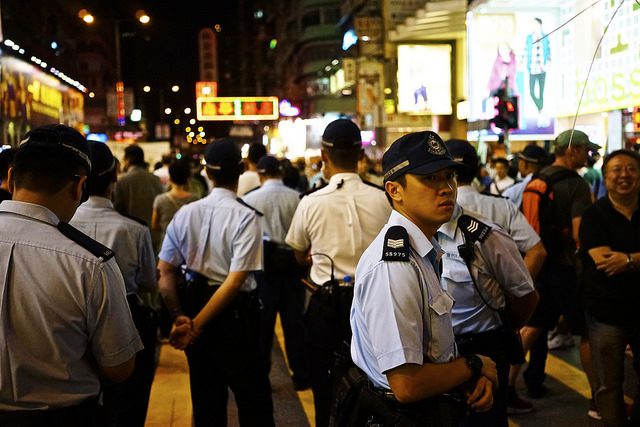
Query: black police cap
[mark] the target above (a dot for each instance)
(102, 160)
(58, 138)
(222, 154)
(269, 165)
(342, 134)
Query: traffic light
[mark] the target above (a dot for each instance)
(506, 110)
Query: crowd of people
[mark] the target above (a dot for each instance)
(440, 274)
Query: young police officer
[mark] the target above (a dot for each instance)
(401, 317)
(127, 403)
(64, 320)
(219, 239)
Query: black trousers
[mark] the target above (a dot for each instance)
(227, 355)
(126, 404)
(490, 344)
(281, 292)
(81, 415)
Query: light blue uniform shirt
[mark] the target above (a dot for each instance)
(214, 236)
(501, 212)
(400, 314)
(278, 203)
(497, 267)
(129, 240)
(514, 193)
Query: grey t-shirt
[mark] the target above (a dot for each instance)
(166, 207)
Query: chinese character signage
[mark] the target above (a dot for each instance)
(241, 108)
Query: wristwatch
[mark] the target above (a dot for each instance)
(475, 364)
(630, 264)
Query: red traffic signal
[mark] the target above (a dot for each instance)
(506, 116)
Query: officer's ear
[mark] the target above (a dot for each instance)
(78, 188)
(395, 190)
(11, 180)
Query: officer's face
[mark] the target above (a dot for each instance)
(428, 200)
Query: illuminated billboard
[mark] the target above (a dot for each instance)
(512, 50)
(424, 79)
(240, 108)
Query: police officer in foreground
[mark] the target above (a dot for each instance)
(126, 403)
(216, 311)
(279, 286)
(330, 230)
(401, 316)
(64, 320)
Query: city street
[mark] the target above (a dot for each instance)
(565, 404)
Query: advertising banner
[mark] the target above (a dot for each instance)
(241, 108)
(424, 79)
(37, 98)
(614, 82)
(370, 86)
(512, 50)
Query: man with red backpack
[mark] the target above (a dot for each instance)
(553, 203)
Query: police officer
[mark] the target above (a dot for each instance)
(499, 275)
(64, 320)
(125, 404)
(330, 229)
(279, 286)
(401, 316)
(505, 214)
(219, 240)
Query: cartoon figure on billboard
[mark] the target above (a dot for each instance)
(538, 55)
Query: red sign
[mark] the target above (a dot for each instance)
(243, 108)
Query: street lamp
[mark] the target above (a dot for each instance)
(142, 16)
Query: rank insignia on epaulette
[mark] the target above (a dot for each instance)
(478, 230)
(396, 244)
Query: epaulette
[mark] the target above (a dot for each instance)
(396, 246)
(136, 219)
(252, 190)
(493, 195)
(96, 248)
(313, 190)
(477, 230)
(243, 203)
(371, 184)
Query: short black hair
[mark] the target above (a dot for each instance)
(622, 152)
(256, 151)
(179, 172)
(135, 155)
(6, 161)
(45, 171)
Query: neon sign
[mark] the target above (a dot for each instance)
(241, 108)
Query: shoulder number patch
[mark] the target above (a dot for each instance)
(397, 246)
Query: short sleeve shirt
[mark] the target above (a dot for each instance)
(62, 309)
(497, 267)
(129, 240)
(278, 203)
(214, 236)
(400, 313)
(502, 212)
(340, 221)
(610, 299)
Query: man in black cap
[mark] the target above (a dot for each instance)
(64, 319)
(401, 316)
(329, 231)
(216, 310)
(126, 403)
(279, 286)
(531, 160)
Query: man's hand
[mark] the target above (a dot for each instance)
(481, 398)
(612, 263)
(182, 333)
(489, 370)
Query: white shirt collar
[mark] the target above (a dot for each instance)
(450, 228)
(98, 202)
(419, 242)
(30, 210)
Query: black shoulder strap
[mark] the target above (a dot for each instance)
(474, 228)
(396, 246)
(243, 203)
(251, 191)
(371, 184)
(313, 190)
(96, 248)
